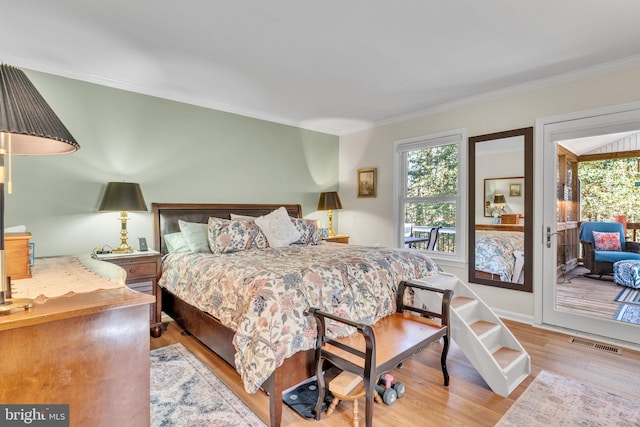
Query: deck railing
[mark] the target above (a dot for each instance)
(446, 238)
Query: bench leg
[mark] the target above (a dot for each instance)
(321, 389)
(370, 393)
(443, 359)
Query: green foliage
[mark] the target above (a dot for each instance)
(432, 173)
(608, 189)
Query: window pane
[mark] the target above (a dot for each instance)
(432, 171)
(425, 216)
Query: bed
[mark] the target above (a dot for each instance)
(250, 310)
(499, 255)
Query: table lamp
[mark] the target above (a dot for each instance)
(28, 126)
(123, 197)
(328, 202)
(499, 201)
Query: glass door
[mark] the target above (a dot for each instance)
(560, 217)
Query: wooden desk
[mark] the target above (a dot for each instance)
(89, 350)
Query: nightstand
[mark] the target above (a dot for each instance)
(143, 270)
(339, 238)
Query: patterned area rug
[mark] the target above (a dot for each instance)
(629, 295)
(184, 392)
(628, 313)
(552, 400)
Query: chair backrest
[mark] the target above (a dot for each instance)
(510, 219)
(433, 238)
(408, 230)
(587, 229)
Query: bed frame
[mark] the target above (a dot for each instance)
(207, 329)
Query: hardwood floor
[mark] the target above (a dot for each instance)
(467, 400)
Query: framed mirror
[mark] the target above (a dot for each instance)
(500, 209)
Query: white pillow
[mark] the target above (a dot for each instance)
(278, 228)
(195, 234)
(176, 243)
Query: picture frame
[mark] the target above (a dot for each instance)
(515, 190)
(367, 182)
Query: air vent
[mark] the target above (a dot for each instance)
(596, 345)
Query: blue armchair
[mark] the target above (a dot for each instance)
(601, 262)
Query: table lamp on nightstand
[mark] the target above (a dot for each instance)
(123, 197)
(328, 202)
(28, 126)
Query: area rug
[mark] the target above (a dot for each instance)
(184, 392)
(628, 313)
(629, 295)
(553, 400)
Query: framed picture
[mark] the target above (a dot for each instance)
(515, 190)
(367, 182)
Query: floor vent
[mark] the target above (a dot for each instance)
(596, 345)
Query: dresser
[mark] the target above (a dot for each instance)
(88, 350)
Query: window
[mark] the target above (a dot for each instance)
(430, 176)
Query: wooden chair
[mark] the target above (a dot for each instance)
(379, 348)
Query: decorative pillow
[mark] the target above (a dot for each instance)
(606, 241)
(226, 236)
(308, 230)
(176, 243)
(278, 228)
(195, 234)
(242, 217)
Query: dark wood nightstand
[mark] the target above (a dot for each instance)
(339, 238)
(143, 270)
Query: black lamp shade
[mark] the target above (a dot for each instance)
(329, 201)
(499, 198)
(123, 196)
(34, 127)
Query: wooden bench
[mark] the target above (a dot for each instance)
(379, 348)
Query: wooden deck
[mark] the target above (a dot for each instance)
(589, 296)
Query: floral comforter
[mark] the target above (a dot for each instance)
(262, 294)
(496, 252)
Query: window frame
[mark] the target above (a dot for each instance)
(400, 147)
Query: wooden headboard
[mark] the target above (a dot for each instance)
(166, 215)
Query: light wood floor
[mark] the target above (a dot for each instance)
(468, 400)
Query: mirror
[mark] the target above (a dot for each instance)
(500, 209)
(511, 189)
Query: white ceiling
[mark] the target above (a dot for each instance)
(336, 66)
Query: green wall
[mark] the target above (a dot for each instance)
(176, 152)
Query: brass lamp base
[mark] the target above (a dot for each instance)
(11, 305)
(330, 232)
(122, 249)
